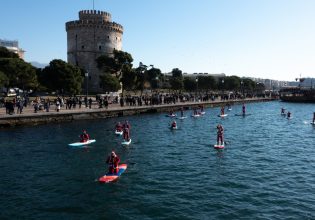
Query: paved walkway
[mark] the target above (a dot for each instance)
(29, 110)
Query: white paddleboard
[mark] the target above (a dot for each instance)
(229, 109)
(118, 132)
(312, 123)
(171, 116)
(195, 116)
(173, 128)
(222, 116)
(78, 144)
(126, 142)
(181, 118)
(202, 113)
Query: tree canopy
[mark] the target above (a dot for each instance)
(62, 77)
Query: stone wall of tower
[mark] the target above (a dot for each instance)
(94, 34)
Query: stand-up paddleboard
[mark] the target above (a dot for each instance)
(171, 116)
(202, 113)
(218, 146)
(78, 144)
(126, 143)
(118, 132)
(173, 128)
(312, 123)
(222, 116)
(181, 118)
(112, 177)
(242, 115)
(195, 116)
(229, 109)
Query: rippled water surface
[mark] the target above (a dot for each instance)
(266, 171)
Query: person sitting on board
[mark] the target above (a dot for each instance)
(222, 110)
(220, 135)
(119, 127)
(289, 115)
(243, 109)
(173, 125)
(126, 134)
(84, 137)
(113, 162)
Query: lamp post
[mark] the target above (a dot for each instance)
(87, 83)
(222, 89)
(197, 89)
(242, 88)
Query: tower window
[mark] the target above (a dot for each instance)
(107, 37)
(100, 47)
(82, 47)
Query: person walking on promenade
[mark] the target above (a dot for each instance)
(57, 105)
(90, 103)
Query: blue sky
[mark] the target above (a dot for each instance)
(259, 38)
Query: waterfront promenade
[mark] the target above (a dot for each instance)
(29, 117)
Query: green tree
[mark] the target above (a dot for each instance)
(63, 77)
(190, 84)
(232, 83)
(206, 83)
(154, 76)
(5, 53)
(109, 83)
(128, 79)
(19, 73)
(114, 64)
(4, 80)
(176, 80)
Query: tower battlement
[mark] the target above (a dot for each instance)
(95, 15)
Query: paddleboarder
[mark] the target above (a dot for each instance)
(220, 134)
(222, 110)
(282, 111)
(243, 109)
(173, 125)
(84, 137)
(113, 162)
(314, 118)
(181, 112)
(119, 127)
(126, 133)
(289, 115)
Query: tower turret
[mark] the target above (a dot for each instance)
(94, 34)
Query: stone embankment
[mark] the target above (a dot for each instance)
(28, 117)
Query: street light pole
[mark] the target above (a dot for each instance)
(197, 89)
(87, 83)
(242, 88)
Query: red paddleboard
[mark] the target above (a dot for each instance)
(218, 146)
(112, 177)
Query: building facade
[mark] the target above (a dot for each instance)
(13, 46)
(93, 35)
